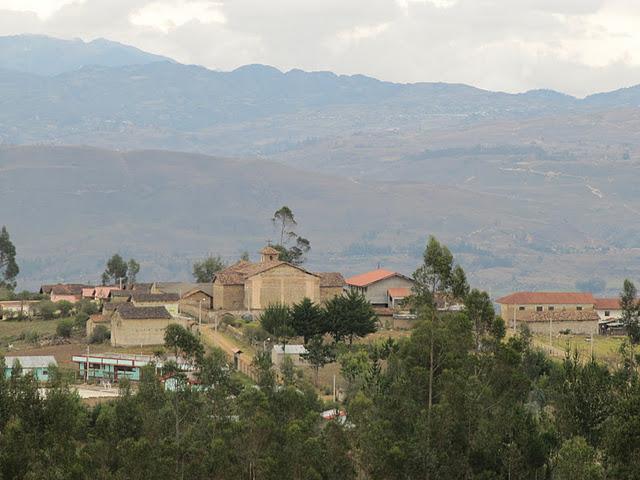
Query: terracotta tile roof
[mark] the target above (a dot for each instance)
(547, 298)
(120, 293)
(331, 279)
(564, 316)
(88, 292)
(130, 312)
(100, 318)
(269, 250)
(102, 292)
(237, 273)
(144, 297)
(68, 289)
(399, 292)
(368, 278)
(230, 278)
(140, 287)
(608, 303)
(197, 290)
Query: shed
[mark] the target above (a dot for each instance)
(294, 352)
(38, 366)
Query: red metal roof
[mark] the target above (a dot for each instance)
(368, 278)
(608, 304)
(399, 292)
(547, 298)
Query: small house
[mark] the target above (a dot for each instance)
(170, 301)
(133, 326)
(375, 285)
(116, 366)
(38, 366)
(17, 308)
(197, 298)
(608, 308)
(294, 352)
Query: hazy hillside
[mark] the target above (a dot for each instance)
(532, 190)
(43, 55)
(68, 208)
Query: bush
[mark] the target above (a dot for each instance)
(29, 336)
(80, 320)
(47, 309)
(228, 319)
(255, 333)
(100, 334)
(64, 307)
(65, 328)
(88, 307)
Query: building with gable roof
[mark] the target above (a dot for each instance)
(254, 286)
(381, 287)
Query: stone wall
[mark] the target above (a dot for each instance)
(228, 297)
(579, 328)
(128, 332)
(327, 293)
(283, 284)
(507, 311)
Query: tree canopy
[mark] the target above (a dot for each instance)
(204, 271)
(8, 266)
(117, 269)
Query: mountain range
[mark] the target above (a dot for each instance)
(171, 161)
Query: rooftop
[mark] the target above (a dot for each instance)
(290, 349)
(608, 304)
(547, 298)
(331, 279)
(130, 312)
(565, 316)
(399, 292)
(41, 361)
(365, 279)
(154, 297)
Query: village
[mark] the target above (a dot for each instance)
(126, 325)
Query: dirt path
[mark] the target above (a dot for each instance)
(221, 341)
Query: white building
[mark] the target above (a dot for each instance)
(294, 352)
(608, 308)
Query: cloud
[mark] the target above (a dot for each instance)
(577, 46)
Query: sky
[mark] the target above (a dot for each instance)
(574, 46)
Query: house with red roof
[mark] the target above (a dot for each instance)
(382, 287)
(609, 308)
(528, 306)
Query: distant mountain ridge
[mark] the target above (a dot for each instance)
(42, 55)
(533, 190)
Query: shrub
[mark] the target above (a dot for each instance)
(47, 309)
(100, 334)
(88, 307)
(64, 307)
(64, 328)
(254, 333)
(80, 320)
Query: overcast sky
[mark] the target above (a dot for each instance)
(575, 46)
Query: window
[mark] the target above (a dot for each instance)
(607, 313)
(551, 308)
(578, 308)
(538, 308)
(521, 308)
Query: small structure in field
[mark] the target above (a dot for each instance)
(111, 367)
(38, 366)
(294, 352)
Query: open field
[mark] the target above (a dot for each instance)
(14, 332)
(605, 349)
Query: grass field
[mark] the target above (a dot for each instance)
(12, 332)
(605, 349)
